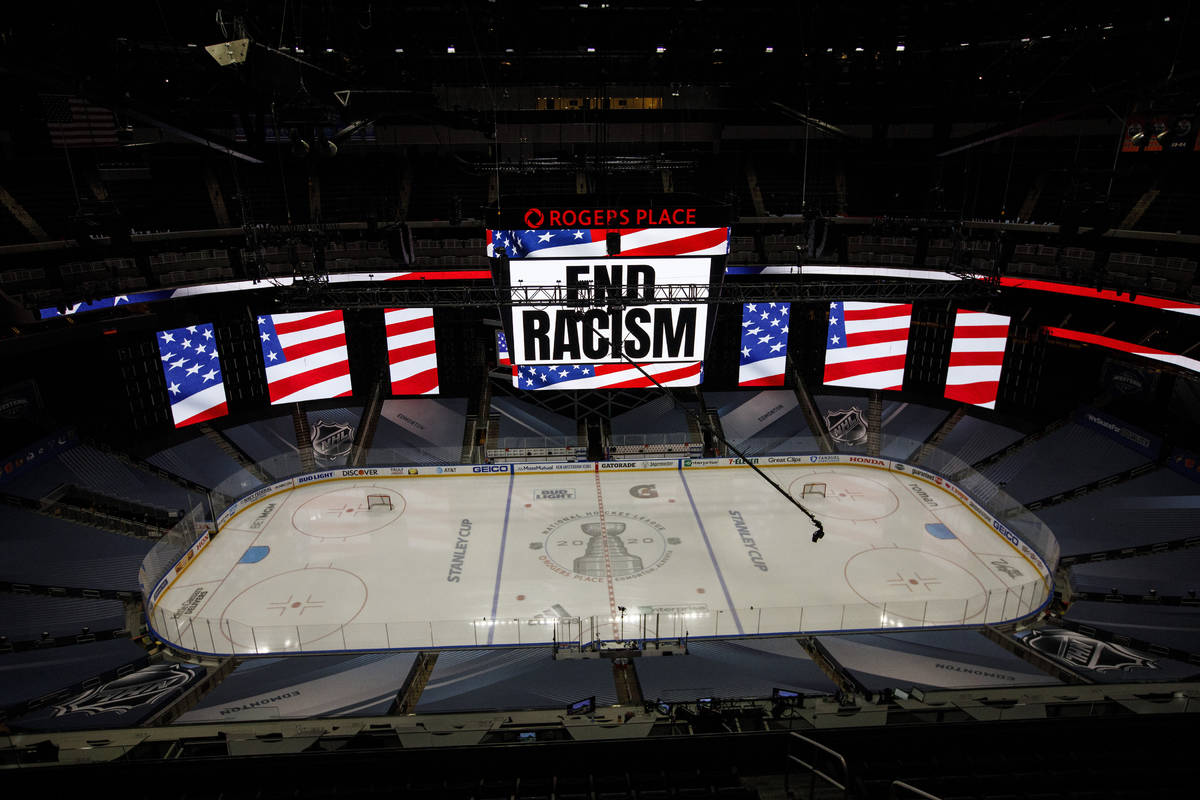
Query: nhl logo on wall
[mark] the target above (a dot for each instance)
(847, 426)
(331, 441)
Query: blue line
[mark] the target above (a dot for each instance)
(729, 600)
(512, 476)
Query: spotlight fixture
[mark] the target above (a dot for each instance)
(1137, 134)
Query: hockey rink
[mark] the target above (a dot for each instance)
(480, 556)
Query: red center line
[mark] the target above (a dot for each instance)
(612, 598)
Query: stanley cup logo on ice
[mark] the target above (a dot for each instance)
(591, 563)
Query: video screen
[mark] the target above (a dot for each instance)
(866, 345)
(601, 313)
(593, 242)
(412, 351)
(763, 359)
(305, 356)
(976, 357)
(192, 367)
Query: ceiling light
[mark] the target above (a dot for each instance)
(718, 50)
(660, 49)
(591, 49)
(828, 49)
(399, 49)
(508, 50)
(227, 53)
(328, 49)
(964, 44)
(900, 48)
(450, 49)
(858, 49)
(770, 49)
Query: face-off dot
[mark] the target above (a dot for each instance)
(520, 597)
(700, 590)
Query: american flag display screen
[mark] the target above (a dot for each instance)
(412, 351)
(867, 344)
(592, 242)
(976, 357)
(305, 355)
(763, 360)
(607, 376)
(192, 367)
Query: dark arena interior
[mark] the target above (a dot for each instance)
(505, 280)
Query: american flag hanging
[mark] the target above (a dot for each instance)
(192, 367)
(73, 122)
(305, 356)
(591, 242)
(412, 351)
(867, 344)
(502, 357)
(976, 358)
(764, 344)
(607, 376)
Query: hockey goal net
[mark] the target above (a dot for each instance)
(812, 490)
(381, 501)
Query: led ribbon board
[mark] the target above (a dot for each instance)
(607, 302)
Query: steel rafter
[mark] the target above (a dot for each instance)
(482, 295)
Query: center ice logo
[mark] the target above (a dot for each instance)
(621, 545)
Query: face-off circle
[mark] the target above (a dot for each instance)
(839, 496)
(342, 513)
(636, 543)
(915, 585)
(312, 604)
